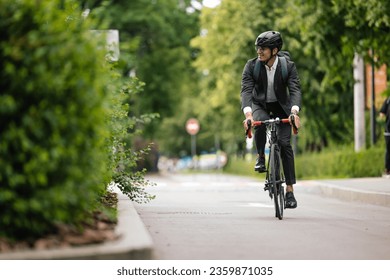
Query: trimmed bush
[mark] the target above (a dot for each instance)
(53, 113)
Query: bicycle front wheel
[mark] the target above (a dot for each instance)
(276, 176)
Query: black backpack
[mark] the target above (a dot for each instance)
(283, 56)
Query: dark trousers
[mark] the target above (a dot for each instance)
(387, 155)
(284, 137)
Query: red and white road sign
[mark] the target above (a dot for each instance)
(192, 126)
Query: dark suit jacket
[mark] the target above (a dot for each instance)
(288, 94)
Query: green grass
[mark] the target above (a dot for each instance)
(335, 162)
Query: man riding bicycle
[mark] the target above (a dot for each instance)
(268, 93)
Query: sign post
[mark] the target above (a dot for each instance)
(192, 127)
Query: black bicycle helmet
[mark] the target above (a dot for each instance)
(270, 39)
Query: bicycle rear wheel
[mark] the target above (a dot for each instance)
(277, 179)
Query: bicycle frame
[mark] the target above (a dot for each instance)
(274, 176)
(275, 150)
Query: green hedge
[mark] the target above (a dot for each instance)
(53, 114)
(341, 162)
(336, 162)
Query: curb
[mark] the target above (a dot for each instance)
(352, 195)
(134, 242)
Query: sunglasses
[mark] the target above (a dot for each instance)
(262, 49)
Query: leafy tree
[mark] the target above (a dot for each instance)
(159, 32)
(367, 26)
(154, 41)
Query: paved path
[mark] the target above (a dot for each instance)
(230, 217)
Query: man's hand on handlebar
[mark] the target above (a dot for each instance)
(295, 121)
(248, 124)
(248, 116)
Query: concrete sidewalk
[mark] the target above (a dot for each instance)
(135, 241)
(373, 190)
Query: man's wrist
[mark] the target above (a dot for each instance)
(294, 110)
(247, 111)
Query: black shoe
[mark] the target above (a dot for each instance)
(290, 200)
(260, 165)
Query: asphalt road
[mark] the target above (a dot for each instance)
(213, 216)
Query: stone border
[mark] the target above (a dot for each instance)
(134, 242)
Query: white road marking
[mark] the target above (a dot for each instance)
(260, 205)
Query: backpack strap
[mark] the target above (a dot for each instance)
(256, 71)
(283, 63)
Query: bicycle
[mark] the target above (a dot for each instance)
(274, 178)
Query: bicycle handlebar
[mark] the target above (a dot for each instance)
(248, 132)
(276, 120)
